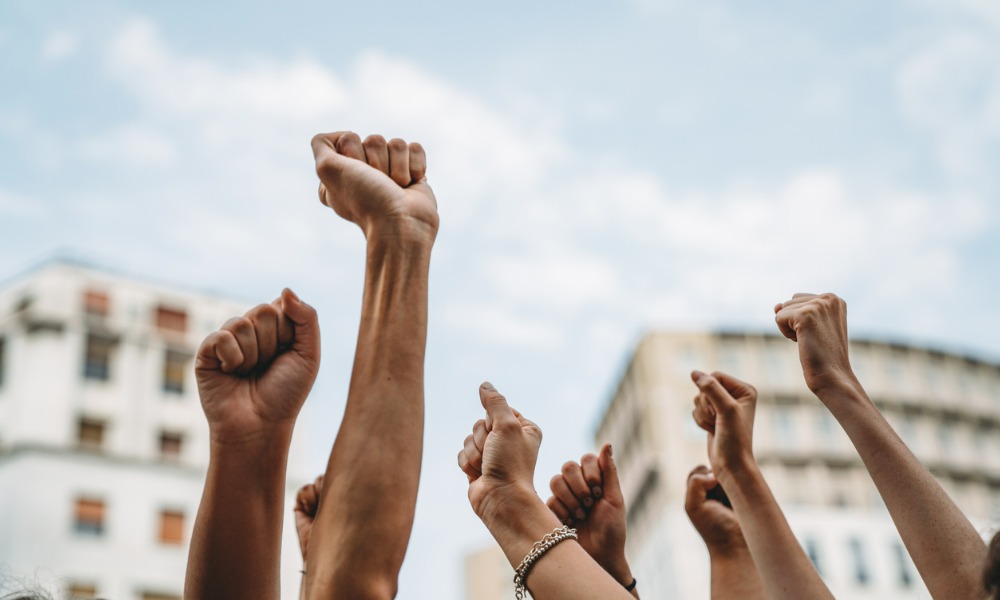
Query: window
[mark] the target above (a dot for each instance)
(858, 562)
(159, 596)
(90, 433)
(174, 367)
(784, 431)
(171, 527)
(96, 303)
(812, 551)
(89, 516)
(171, 319)
(171, 443)
(903, 574)
(81, 591)
(97, 364)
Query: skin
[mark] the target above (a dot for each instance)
(306, 506)
(734, 574)
(501, 492)
(253, 376)
(362, 526)
(725, 408)
(588, 497)
(945, 547)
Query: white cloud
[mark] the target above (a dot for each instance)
(59, 45)
(17, 205)
(951, 88)
(500, 324)
(130, 145)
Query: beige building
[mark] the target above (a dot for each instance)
(103, 444)
(945, 406)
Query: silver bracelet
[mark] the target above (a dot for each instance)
(537, 550)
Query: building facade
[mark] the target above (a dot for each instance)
(945, 406)
(103, 445)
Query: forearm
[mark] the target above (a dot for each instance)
(734, 575)
(236, 544)
(366, 514)
(785, 571)
(945, 547)
(565, 571)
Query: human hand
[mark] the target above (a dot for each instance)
(306, 505)
(707, 506)
(588, 497)
(819, 325)
(499, 457)
(255, 372)
(725, 407)
(376, 184)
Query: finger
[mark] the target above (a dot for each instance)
(559, 510)
(246, 338)
(325, 144)
(498, 412)
(717, 395)
(736, 387)
(219, 351)
(479, 434)
(463, 463)
(560, 489)
(783, 319)
(399, 162)
(696, 492)
(329, 162)
(573, 476)
(349, 145)
(592, 474)
(305, 322)
(612, 489)
(265, 325)
(286, 329)
(377, 152)
(418, 162)
(703, 419)
(473, 455)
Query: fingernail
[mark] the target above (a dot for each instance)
(611, 450)
(597, 492)
(488, 386)
(588, 502)
(696, 375)
(580, 514)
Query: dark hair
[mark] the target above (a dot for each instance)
(991, 574)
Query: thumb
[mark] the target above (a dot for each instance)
(612, 491)
(497, 409)
(329, 162)
(717, 395)
(306, 341)
(697, 491)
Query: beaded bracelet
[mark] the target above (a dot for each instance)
(537, 550)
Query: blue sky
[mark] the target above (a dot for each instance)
(601, 169)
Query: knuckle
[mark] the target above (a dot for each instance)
(397, 145)
(554, 482)
(374, 141)
(416, 147)
(568, 467)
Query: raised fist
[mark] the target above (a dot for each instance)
(711, 514)
(377, 184)
(255, 372)
(725, 408)
(819, 325)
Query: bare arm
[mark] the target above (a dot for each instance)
(362, 529)
(501, 492)
(734, 574)
(945, 547)
(253, 376)
(725, 408)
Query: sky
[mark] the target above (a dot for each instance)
(602, 169)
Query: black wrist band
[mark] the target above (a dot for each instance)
(631, 586)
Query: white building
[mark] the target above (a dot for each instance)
(103, 444)
(945, 406)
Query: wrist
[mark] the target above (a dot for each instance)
(736, 470)
(407, 230)
(619, 570)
